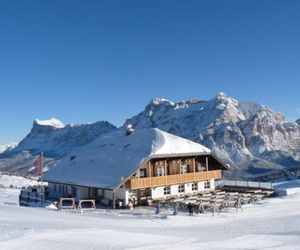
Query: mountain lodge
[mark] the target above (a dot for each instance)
(136, 166)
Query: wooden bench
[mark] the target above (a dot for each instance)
(70, 200)
(92, 206)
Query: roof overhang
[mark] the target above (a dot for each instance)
(76, 185)
(225, 166)
(158, 156)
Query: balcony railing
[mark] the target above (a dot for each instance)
(167, 180)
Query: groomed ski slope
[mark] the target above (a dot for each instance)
(269, 224)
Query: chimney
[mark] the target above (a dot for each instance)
(129, 129)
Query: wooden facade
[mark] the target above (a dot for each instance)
(172, 171)
(137, 183)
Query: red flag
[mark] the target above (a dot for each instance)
(38, 166)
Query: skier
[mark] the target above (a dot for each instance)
(190, 208)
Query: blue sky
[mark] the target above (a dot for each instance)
(85, 61)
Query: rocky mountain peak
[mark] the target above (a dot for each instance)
(222, 96)
(43, 126)
(56, 139)
(247, 135)
(7, 147)
(160, 101)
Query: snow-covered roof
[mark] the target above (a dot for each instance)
(112, 157)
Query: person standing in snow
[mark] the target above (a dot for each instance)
(157, 206)
(190, 208)
(175, 208)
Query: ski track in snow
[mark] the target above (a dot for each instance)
(269, 224)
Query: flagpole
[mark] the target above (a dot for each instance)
(42, 177)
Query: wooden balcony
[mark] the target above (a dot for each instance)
(168, 180)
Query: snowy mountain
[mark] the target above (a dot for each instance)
(7, 147)
(54, 139)
(250, 137)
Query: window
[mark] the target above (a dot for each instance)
(143, 172)
(54, 188)
(181, 189)
(201, 167)
(95, 192)
(189, 168)
(60, 189)
(183, 169)
(160, 171)
(206, 185)
(167, 190)
(73, 190)
(195, 187)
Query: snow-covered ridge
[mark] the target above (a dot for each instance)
(61, 140)
(54, 140)
(7, 147)
(53, 122)
(158, 101)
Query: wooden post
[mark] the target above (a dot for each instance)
(151, 172)
(113, 200)
(166, 167)
(206, 158)
(194, 165)
(153, 169)
(166, 172)
(149, 169)
(179, 166)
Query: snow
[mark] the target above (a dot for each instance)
(158, 101)
(270, 224)
(288, 187)
(16, 181)
(53, 122)
(7, 147)
(173, 145)
(113, 156)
